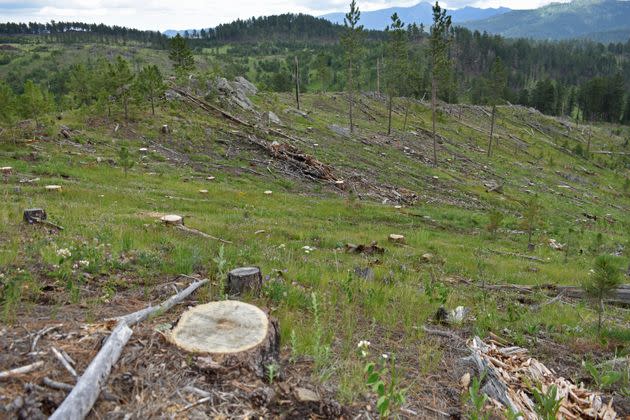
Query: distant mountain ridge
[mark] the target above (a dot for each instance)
(420, 13)
(599, 20)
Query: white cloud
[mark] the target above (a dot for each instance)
(186, 14)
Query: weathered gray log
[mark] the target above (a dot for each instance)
(244, 279)
(143, 314)
(83, 396)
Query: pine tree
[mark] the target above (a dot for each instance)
(150, 85)
(35, 101)
(396, 63)
(7, 104)
(121, 79)
(602, 282)
(351, 42)
(181, 55)
(439, 43)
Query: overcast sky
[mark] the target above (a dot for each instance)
(186, 14)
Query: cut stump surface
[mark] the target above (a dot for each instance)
(232, 333)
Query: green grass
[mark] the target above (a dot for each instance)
(111, 221)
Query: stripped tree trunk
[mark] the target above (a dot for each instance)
(433, 106)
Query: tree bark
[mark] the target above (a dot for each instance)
(433, 106)
(406, 115)
(244, 279)
(491, 130)
(351, 99)
(297, 82)
(389, 118)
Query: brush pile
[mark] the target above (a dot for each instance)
(510, 374)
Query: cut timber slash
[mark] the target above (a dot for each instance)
(231, 333)
(178, 222)
(244, 279)
(79, 402)
(38, 216)
(510, 372)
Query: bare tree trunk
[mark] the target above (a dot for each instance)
(125, 104)
(588, 145)
(152, 106)
(389, 119)
(406, 114)
(491, 130)
(297, 82)
(351, 99)
(378, 75)
(433, 106)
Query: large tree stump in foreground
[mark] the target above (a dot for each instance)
(233, 334)
(244, 279)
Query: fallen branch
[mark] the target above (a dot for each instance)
(83, 396)
(200, 233)
(21, 370)
(46, 222)
(43, 332)
(64, 362)
(512, 254)
(189, 406)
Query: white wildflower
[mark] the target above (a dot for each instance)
(64, 253)
(364, 344)
(84, 263)
(385, 356)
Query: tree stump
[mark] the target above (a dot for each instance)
(6, 170)
(165, 129)
(34, 215)
(397, 239)
(233, 334)
(53, 188)
(172, 219)
(244, 279)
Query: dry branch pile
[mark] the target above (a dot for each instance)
(510, 372)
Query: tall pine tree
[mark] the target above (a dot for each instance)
(351, 42)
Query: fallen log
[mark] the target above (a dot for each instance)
(512, 254)
(85, 393)
(621, 295)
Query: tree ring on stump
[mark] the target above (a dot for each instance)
(226, 326)
(230, 334)
(172, 219)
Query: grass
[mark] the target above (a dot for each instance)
(323, 307)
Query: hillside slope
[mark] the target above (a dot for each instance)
(601, 20)
(329, 196)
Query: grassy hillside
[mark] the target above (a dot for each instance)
(600, 20)
(121, 258)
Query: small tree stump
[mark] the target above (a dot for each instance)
(172, 219)
(34, 215)
(397, 239)
(165, 129)
(203, 191)
(232, 333)
(6, 170)
(244, 279)
(53, 188)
